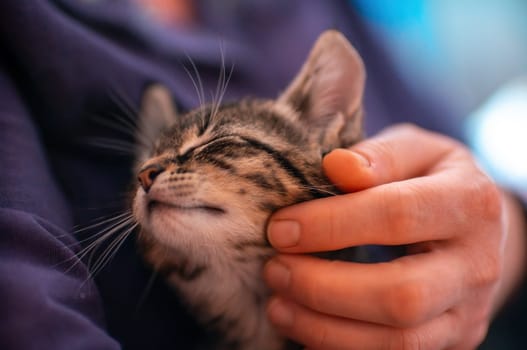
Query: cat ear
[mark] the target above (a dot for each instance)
(327, 92)
(157, 113)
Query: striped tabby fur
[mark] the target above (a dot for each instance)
(215, 175)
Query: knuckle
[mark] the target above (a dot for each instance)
(404, 339)
(410, 340)
(406, 305)
(317, 336)
(484, 267)
(309, 291)
(476, 329)
(488, 260)
(380, 151)
(399, 209)
(489, 198)
(489, 271)
(486, 200)
(408, 128)
(492, 201)
(333, 228)
(479, 334)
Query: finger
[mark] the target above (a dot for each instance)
(395, 154)
(319, 331)
(473, 316)
(404, 292)
(391, 214)
(394, 213)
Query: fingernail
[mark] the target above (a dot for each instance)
(362, 159)
(277, 275)
(280, 313)
(283, 233)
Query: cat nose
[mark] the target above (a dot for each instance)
(148, 174)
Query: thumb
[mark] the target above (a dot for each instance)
(398, 153)
(349, 170)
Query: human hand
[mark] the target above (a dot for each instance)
(406, 186)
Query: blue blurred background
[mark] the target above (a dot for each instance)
(472, 55)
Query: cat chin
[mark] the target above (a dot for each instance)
(147, 208)
(197, 229)
(176, 209)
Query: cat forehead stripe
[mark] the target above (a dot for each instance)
(285, 163)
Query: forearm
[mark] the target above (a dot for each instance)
(513, 270)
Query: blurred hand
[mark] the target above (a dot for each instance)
(404, 186)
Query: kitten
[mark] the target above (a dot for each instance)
(215, 174)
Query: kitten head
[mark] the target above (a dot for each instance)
(215, 174)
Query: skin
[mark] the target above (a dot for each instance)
(406, 186)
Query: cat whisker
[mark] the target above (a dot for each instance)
(104, 235)
(115, 225)
(215, 98)
(110, 251)
(322, 189)
(116, 123)
(195, 77)
(104, 221)
(221, 86)
(128, 118)
(78, 229)
(147, 290)
(214, 105)
(114, 144)
(101, 237)
(126, 124)
(133, 130)
(110, 204)
(326, 189)
(120, 146)
(124, 104)
(226, 80)
(196, 81)
(198, 86)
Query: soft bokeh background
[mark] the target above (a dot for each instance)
(472, 55)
